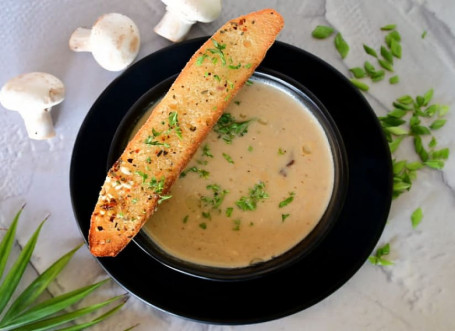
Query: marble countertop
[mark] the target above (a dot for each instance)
(416, 293)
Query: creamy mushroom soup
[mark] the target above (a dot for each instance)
(256, 187)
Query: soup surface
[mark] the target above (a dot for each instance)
(256, 187)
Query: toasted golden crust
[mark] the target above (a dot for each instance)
(160, 150)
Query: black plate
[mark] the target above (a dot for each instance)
(329, 266)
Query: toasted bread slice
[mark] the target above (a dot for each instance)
(141, 178)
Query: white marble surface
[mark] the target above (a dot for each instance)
(417, 293)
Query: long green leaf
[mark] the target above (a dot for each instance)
(7, 242)
(95, 321)
(52, 306)
(34, 290)
(14, 276)
(68, 317)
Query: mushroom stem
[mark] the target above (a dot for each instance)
(173, 26)
(80, 40)
(38, 124)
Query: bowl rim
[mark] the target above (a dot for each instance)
(292, 255)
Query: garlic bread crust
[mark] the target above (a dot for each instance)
(141, 178)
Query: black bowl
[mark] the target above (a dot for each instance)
(304, 247)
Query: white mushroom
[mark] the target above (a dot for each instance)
(114, 41)
(33, 95)
(182, 14)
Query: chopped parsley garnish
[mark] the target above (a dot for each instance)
(173, 119)
(419, 112)
(202, 173)
(228, 128)
(369, 68)
(206, 215)
(440, 154)
(174, 123)
(164, 197)
(281, 151)
(358, 72)
(378, 258)
(150, 141)
(155, 133)
(416, 217)
(201, 59)
(410, 117)
(369, 51)
(386, 65)
(403, 176)
(388, 27)
(229, 211)
(238, 66)
(394, 79)
(341, 45)
(256, 194)
(228, 158)
(392, 49)
(360, 85)
(218, 50)
(375, 75)
(206, 151)
(393, 35)
(143, 175)
(247, 66)
(322, 32)
(185, 219)
(237, 102)
(284, 216)
(437, 124)
(157, 185)
(435, 164)
(203, 225)
(395, 47)
(216, 200)
(287, 201)
(249, 82)
(250, 148)
(387, 55)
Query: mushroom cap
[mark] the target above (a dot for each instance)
(32, 91)
(114, 41)
(204, 11)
